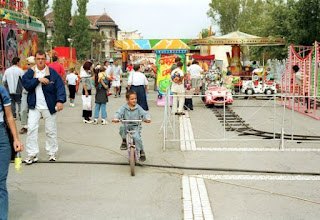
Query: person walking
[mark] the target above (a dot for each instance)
(117, 78)
(72, 79)
(138, 82)
(24, 104)
(177, 88)
(5, 149)
(86, 79)
(101, 98)
(58, 68)
(12, 80)
(195, 74)
(46, 97)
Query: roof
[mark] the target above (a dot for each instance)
(95, 20)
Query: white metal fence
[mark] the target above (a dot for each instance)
(262, 113)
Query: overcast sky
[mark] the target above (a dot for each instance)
(155, 18)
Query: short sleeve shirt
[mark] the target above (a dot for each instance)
(137, 79)
(71, 79)
(6, 101)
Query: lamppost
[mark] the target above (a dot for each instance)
(71, 41)
(49, 39)
(2, 25)
(93, 40)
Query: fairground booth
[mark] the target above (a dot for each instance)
(164, 51)
(18, 33)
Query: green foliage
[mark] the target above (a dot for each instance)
(205, 33)
(38, 9)
(226, 14)
(61, 20)
(80, 30)
(96, 39)
(298, 21)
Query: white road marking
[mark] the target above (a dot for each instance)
(261, 177)
(246, 149)
(182, 139)
(196, 203)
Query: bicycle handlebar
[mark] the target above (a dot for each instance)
(138, 120)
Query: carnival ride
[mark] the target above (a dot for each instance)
(259, 84)
(303, 96)
(18, 33)
(213, 91)
(240, 43)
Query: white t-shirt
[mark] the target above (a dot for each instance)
(137, 79)
(11, 76)
(71, 79)
(195, 71)
(175, 87)
(40, 99)
(117, 71)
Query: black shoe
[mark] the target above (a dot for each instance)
(176, 113)
(123, 146)
(142, 156)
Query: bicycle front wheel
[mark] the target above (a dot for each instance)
(132, 161)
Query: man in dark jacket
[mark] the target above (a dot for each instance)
(46, 95)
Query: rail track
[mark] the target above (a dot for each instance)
(233, 122)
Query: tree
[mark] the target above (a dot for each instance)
(226, 14)
(38, 9)
(96, 39)
(80, 30)
(61, 20)
(308, 25)
(205, 33)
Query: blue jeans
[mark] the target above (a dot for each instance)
(5, 154)
(103, 107)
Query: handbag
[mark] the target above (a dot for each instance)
(10, 136)
(19, 86)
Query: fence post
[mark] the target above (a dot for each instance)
(274, 116)
(292, 112)
(224, 119)
(282, 128)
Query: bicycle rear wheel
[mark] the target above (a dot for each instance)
(132, 160)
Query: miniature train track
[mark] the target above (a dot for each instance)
(233, 122)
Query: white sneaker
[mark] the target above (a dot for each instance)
(87, 121)
(95, 121)
(104, 122)
(71, 104)
(52, 157)
(31, 159)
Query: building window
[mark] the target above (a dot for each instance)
(110, 33)
(102, 33)
(103, 55)
(102, 45)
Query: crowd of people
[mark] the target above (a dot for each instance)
(39, 93)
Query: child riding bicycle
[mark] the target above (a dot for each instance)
(132, 111)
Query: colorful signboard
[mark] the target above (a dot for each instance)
(155, 44)
(164, 64)
(23, 21)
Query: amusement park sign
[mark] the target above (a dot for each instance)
(16, 5)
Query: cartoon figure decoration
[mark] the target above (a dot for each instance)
(11, 47)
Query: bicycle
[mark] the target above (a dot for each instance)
(133, 153)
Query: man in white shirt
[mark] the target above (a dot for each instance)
(46, 95)
(117, 78)
(12, 80)
(195, 74)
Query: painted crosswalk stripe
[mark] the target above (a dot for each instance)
(196, 203)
